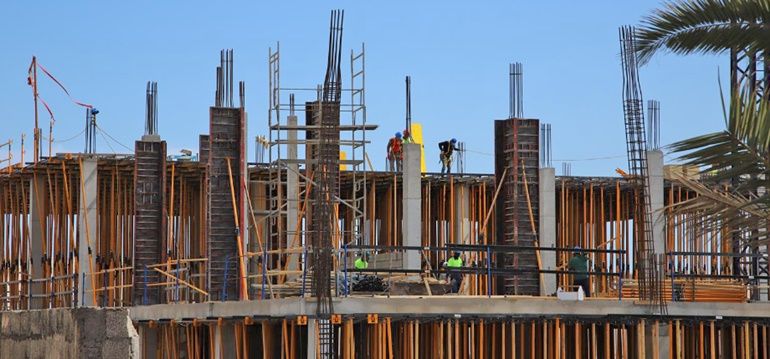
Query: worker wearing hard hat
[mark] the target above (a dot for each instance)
(395, 153)
(447, 149)
(407, 137)
(579, 264)
(362, 262)
(453, 264)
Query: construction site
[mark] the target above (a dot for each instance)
(250, 248)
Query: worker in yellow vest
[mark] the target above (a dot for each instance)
(407, 137)
(362, 262)
(455, 278)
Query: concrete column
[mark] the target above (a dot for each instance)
(292, 194)
(87, 233)
(461, 212)
(218, 349)
(655, 173)
(664, 346)
(311, 339)
(547, 230)
(227, 333)
(38, 200)
(148, 342)
(412, 202)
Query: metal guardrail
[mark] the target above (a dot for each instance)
(489, 269)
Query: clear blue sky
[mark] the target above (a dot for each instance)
(456, 52)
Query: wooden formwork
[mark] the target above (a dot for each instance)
(226, 166)
(372, 336)
(150, 216)
(517, 166)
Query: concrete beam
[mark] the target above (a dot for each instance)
(87, 228)
(655, 174)
(547, 230)
(433, 306)
(412, 202)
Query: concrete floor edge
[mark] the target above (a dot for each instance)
(433, 307)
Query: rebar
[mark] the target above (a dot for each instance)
(516, 90)
(151, 109)
(649, 281)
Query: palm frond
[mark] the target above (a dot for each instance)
(718, 208)
(705, 26)
(741, 150)
(735, 164)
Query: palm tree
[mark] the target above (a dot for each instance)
(732, 193)
(735, 167)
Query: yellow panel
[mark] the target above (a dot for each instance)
(416, 132)
(343, 156)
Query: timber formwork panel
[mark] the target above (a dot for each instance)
(203, 148)
(517, 155)
(226, 142)
(149, 218)
(548, 337)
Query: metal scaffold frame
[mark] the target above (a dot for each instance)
(286, 249)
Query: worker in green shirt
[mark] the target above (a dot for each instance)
(579, 263)
(362, 262)
(455, 277)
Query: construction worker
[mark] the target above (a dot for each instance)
(362, 262)
(395, 153)
(579, 263)
(455, 277)
(447, 148)
(407, 137)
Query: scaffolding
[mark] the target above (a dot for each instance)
(291, 180)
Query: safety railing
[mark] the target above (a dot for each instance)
(485, 265)
(54, 292)
(14, 294)
(180, 280)
(109, 287)
(716, 276)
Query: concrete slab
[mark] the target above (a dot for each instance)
(444, 306)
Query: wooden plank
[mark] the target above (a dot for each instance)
(712, 340)
(181, 281)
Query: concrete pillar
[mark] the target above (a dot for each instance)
(655, 173)
(547, 230)
(311, 339)
(461, 212)
(218, 349)
(87, 233)
(227, 333)
(148, 342)
(412, 202)
(38, 207)
(292, 194)
(663, 340)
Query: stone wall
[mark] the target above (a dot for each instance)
(68, 333)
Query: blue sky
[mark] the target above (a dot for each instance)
(456, 52)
